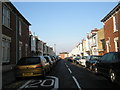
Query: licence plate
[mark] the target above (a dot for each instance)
(27, 74)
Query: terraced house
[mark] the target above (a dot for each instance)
(112, 29)
(15, 35)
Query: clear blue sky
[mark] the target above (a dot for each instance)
(64, 23)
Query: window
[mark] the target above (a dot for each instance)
(26, 49)
(20, 29)
(6, 16)
(115, 23)
(108, 46)
(5, 50)
(20, 50)
(116, 44)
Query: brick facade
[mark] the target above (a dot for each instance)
(12, 34)
(110, 34)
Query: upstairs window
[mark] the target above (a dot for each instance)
(26, 49)
(108, 46)
(115, 24)
(6, 16)
(20, 29)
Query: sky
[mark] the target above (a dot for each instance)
(64, 23)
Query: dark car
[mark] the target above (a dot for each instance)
(92, 61)
(109, 65)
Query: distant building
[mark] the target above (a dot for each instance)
(92, 42)
(112, 30)
(101, 42)
(63, 55)
(77, 50)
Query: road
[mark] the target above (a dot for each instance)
(66, 75)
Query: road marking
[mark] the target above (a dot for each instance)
(76, 82)
(69, 70)
(56, 86)
(66, 65)
(36, 83)
(42, 84)
(24, 85)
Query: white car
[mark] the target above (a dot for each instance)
(83, 60)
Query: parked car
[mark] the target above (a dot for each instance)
(92, 61)
(49, 61)
(77, 60)
(109, 65)
(70, 59)
(53, 59)
(31, 66)
(83, 60)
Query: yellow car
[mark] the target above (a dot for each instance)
(31, 66)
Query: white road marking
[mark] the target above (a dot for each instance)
(69, 70)
(42, 84)
(23, 86)
(36, 83)
(76, 82)
(56, 86)
(66, 65)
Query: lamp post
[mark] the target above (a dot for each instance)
(0, 45)
(55, 48)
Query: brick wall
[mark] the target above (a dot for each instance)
(119, 28)
(11, 32)
(109, 32)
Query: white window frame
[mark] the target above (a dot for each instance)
(6, 51)
(107, 44)
(115, 41)
(6, 16)
(115, 23)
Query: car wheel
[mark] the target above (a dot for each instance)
(112, 76)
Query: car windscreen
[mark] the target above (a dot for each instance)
(95, 57)
(77, 58)
(47, 59)
(29, 61)
(85, 57)
(118, 56)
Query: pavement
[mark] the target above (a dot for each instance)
(8, 75)
(6, 68)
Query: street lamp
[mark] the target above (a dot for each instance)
(55, 48)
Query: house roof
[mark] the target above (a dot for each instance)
(17, 12)
(111, 12)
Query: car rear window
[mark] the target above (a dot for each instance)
(29, 61)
